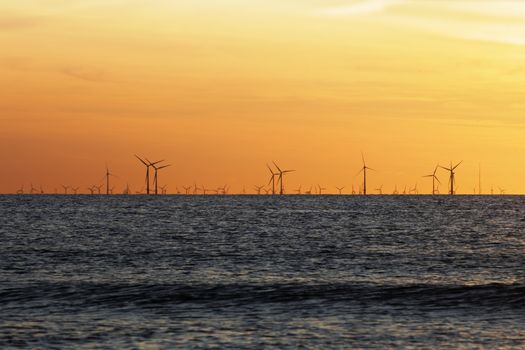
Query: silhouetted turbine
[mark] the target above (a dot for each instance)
(434, 179)
(364, 169)
(155, 177)
(272, 178)
(452, 176)
(281, 174)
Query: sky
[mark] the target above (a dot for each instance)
(221, 88)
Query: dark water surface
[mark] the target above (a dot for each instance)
(286, 272)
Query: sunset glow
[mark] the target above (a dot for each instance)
(220, 89)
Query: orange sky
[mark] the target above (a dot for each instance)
(220, 90)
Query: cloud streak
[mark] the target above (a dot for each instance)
(359, 8)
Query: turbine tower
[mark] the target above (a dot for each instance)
(108, 174)
(452, 178)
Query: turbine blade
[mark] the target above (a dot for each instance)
(277, 167)
(457, 165)
(143, 162)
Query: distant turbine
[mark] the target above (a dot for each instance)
(281, 174)
(340, 189)
(321, 189)
(65, 188)
(187, 189)
(380, 190)
(364, 169)
(434, 179)
(75, 190)
(108, 174)
(258, 189)
(452, 179)
(155, 177)
(99, 188)
(20, 190)
(298, 191)
(147, 165)
(272, 178)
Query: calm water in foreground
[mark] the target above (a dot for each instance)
(286, 272)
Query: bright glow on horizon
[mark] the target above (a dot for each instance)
(219, 89)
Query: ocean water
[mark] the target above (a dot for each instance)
(313, 272)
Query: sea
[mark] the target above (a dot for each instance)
(262, 272)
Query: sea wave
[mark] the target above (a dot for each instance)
(124, 295)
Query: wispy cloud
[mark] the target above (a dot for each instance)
(359, 8)
(17, 22)
(84, 73)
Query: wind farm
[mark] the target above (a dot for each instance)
(275, 184)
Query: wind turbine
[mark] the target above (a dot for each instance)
(258, 189)
(434, 179)
(187, 189)
(147, 165)
(99, 188)
(75, 190)
(155, 177)
(272, 178)
(164, 189)
(380, 190)
(20, 190)
(340, 189)
(395, 190)
(321, 189)
(281, 174)
(309, 191)
(65, 188)
(364, 169)
(108, 174)
(298, 191)
(33, 190)
(452, 176)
